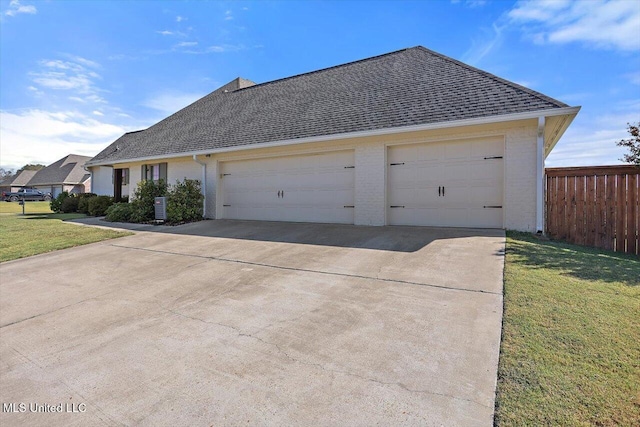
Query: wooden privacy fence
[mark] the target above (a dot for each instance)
(594, 206)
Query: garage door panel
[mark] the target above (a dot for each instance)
(312, 188)
(467, 171)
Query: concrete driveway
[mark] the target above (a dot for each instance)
(231, 322)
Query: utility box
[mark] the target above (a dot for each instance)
(160, 204)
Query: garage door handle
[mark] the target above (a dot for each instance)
(278, 194)
(492, 207)
(396, 206)
(439, 191)
(443, 191)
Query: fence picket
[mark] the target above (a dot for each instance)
(595, 206)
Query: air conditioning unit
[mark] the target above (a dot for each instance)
(160, 204)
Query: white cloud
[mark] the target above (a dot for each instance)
(73, 75)
(634, 77)
(186, 44)
(15, 8)
(480, 49)
(592, 140)
(97, 113)
(166, 32)
(172, 101)
(180, 18)
(41, 136)
(603, 24)
(228, 15)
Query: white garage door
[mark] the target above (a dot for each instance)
(310, 188)
(447, 184)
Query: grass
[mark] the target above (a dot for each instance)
(41, 231)
(570, 352)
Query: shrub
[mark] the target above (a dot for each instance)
(69, 204)
(184, 201)
(119, 212)
(98, 205)
(83, 202)
(144, 198)
(56, 204)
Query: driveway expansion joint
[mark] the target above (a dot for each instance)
(304, 270)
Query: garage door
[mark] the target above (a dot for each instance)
(448, 184)
(310, 188)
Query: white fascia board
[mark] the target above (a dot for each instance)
(360, 134)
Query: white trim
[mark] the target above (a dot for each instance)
(540, 175)
(362, 134)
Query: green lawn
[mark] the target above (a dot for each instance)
(41, 231)
(570, 351)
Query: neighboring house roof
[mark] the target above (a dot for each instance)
(19, 180)
(414, 86)
(67, 170)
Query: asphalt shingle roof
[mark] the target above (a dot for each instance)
(409, 87)
(19, 180)
(67, 170)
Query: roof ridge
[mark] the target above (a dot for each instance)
(496, 78)
(326, 69)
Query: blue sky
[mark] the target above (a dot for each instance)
(75, 75)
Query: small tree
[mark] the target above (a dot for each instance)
(633, 144)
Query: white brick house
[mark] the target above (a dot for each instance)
(407, 138)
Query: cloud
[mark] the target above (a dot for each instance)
(172, 101)
(634, 77)
(602, 24)
(180, 18)
(166, 32)
(186, 44)
(97, 113)
(228, 15)
(592, 140)
(41, 136)
(480, 49)
(71, 75)
(16, 8)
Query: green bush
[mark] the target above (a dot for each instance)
(83, 202)
(69, 204)
(56, 203)
(119, 212)
(98, 205)
(184, 201)
(144, 198)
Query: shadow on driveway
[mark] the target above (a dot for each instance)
(390, 238)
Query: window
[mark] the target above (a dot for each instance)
(154, 172)
(125, 176)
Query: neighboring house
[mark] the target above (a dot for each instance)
(407, 138)
(16, 182)
(67, 174)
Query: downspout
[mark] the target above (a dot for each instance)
(540, 176)
(204, 184)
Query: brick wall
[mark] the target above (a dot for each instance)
(520, 179)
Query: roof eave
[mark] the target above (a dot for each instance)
(562, 111)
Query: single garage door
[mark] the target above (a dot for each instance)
(310, 188)
(447, 184)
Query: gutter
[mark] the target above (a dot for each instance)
(570, 111)
(204, 184)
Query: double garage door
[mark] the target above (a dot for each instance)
(312, 188)
(451, 184)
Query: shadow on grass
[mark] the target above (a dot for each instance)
(60, 216)
(572, 260)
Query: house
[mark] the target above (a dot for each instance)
(407, 138)
(16, 182)
(67, 174)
